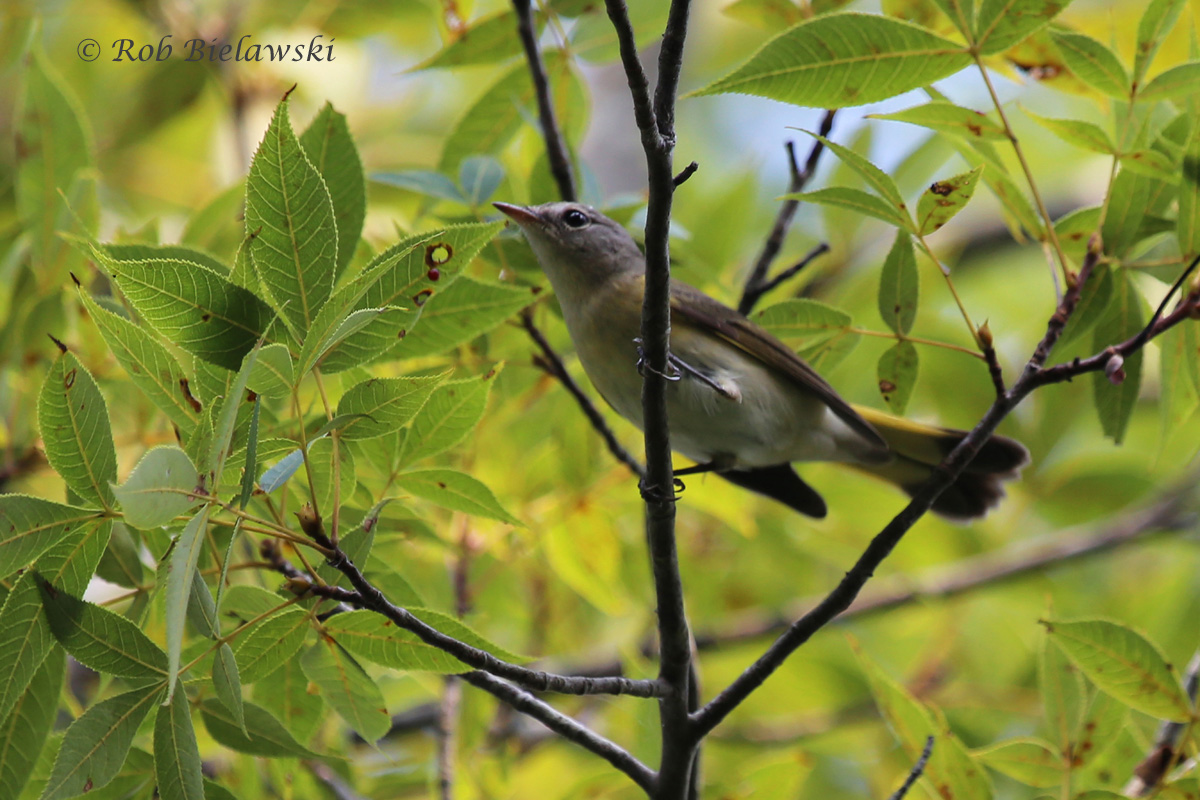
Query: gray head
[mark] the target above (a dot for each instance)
(578, 247)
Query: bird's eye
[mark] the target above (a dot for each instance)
(574, 218)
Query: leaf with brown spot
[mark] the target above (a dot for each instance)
(944, 199)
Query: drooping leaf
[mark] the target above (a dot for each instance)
(426, 182)
(330, 148)
(156, 491)
(855, 200)
(269, 643)
(899, 285)
(321, 468)
(465, 310)
(181, 570)
(176, 755)
(347, 688)
(449, 415)
(29, 526)
(1187, 227)
(822, 334)
(949, 118)
(456, 491)
(943, 199)
(266, 736)
(23, 732)
(1077, 132)
(1173, 84)
(1063, 694)
(385, 404)
(285, 696)
(192, 306)
(1128, 201)
(25, 639)
(373, 637)
(1028, 760)
(291, 215)
(479, 177)
(1180, 377)
(100, 639)
(148, 363)
(1124, 664)
(1152, 163)
(897, 373)
(73, 421)
(1001, 24)
(487, 40)
(844, 59)
(1093, 305)
(228, 683)
(1156, 22)
(97, 743)
(874, 177)
(1093, 63)
(272, 375)
(1115, 403)
(770, 15)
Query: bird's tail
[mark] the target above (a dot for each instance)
(919, 448)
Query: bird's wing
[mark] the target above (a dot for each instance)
(690, 305)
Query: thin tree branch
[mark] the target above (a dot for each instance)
(553, 364)
(943, 476)
(794, 269)
(756, 284)
(684, 174)
(656, 122)
(1173, 511)
(367, 596)
(1163, 755)
(915, 772)
(565, 727)
(557, 154)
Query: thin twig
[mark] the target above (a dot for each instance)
(556, 149)
(1164, 755)
(553, 364)
(687, 172)
(794, 269)
(915, 772)
(757, 284)
(565, 727)
(367, 596)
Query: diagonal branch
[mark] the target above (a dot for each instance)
(556, 149)
(565, 727)
(915, 773)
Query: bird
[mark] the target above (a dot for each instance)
(740, 403)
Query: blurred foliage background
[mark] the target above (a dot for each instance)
(161, 150)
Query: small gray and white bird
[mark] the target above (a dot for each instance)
(744, 405)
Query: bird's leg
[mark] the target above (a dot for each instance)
(672, 374)
(677, 368)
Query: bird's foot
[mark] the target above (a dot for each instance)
(677, 368)
(654, 494)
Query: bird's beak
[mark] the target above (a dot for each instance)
(522, 215)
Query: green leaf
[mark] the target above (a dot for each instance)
(821, 333)
(375, 638)
(1028, 760)
(1093, 63)
(1152, 163)
(73, 420)
(121, 563)
(97, 743)
(71, 562)
(228, 684)
(897, 372)
(386, 404)
(462, 312)
(367, 335)
(1157, 20)
(202, 609)
(1176, 83)
(943, 199)
(1124, 319)
(25, 640)
(192, 306)
(217, 227)
(270, 643)
(148, 363)
(156, 491)
(1020, 214)
(1063, 692)
(1093, 305)
(320, 463)
(330, 148)
(1187, 227)
(272, 375)
(426, 182)
(290, 214)
(266, 736)
(456, 491)
(181, 570)
(1179, 377)
(959, 12)
(287, 698)
(100, 639)
(1003, 23)
(233, 402)
(1124, 664)
(29, 526)
(856, 200)
(23, 732)
(1128, 200)
(54, 153)
(950, 769)
(449, 415)
(842, 60)
(176, 755)
(487, 40)
(899, 285)
(1077, 132)
(479, 177)
(134, 251)
(951, 119)
(770, 15)
(876, 178)
(247, 601)
(1105, 719)
(347, 688)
